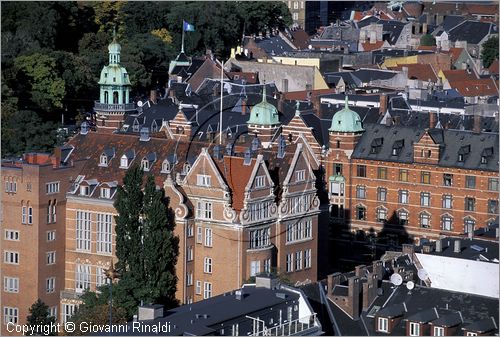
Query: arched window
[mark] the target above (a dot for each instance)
(115, 97)
(124, 162)
(186, 168)
(165, 167)
(106, 97)
(425, 220)
(145, 164)
(103, 160)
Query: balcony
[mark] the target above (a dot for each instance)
(98, 106)
(305, 326)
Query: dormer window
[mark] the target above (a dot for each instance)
(460, 157)
(104, 160)
(165, 167)
(105, 192)
(203, 180)
(186, 168)
(145, 164)
(484, 160)
(105, 75)
(300, 175)
(124, 162)
(383, 324)
(414, 329)
(84, 190)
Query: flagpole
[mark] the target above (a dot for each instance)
(221, 96)
(182, 47)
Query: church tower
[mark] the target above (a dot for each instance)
(114, 99)
(264, 120)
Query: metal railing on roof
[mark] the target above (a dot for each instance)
(301, 326)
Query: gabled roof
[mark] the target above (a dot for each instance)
(472, 31)
(418, 71)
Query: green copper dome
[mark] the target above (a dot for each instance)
(346, 120)
(114, 74)
(264, 113)
(114, 47)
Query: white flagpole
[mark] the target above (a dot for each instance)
(182, 48)
(221, 95)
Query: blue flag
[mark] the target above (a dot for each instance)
(187, 26)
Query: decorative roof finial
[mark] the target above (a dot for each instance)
(297, 108)
(346, 102)
(264, 93)
(114, 33)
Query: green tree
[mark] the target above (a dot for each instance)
(39, 317)
(40, 74)
(160, 247)
(489, 52)
(427, 40)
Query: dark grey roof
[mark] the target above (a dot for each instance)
(340, 290)
(394, 310)
(368, 75)
(392, 29)
(451, 21)
(424, 316)
(472, 31)
(482, 326)
(470, 249)
(448, 319)
(274, 45)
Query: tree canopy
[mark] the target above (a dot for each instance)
(38, 318)
(427, 40)
(489, 52)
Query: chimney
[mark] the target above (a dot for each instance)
(284, 85)
(457, 247)
(424, 28)
(333, 280)
(316, 101)
(378, 269)
(397, 120)
(477, 124)
(152, 96)
(150, 312)
(353, 297)
(426, 248)
(239, 294)
(243, 106)
(408, 249)
(432, 120)
(383, 104)
(439, 246)
(405, 71)
(373, 37)
(369, 291)
(470, 234)
(360, 270)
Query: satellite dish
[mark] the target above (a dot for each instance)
(139, 103)
(228, 88)
(396, 279)
(422, 274)
(310, 47)
(410, 285)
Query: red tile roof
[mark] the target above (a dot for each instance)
(458, 75)
(418, 71)
(302, 95)
(455, 53)
(300, 39)
(481, 87)
(433, 48)
(367, 46)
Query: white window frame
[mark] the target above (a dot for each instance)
(307, 258)
(124, 162)
(84, 190)
(438, 331)
(82, 277)
(53, 311)
(289, 263)
(50, 285)
(190, 253)
(68, 310)
(414, 329)
(267, 265)
(198, 288)
(254, 268)
(100, 277)
(203, 180)
(11, 235)
(208, 237)
(204, 210)
(199, 234)
(260, 181)
(207, 290)
(189, 278)
(11, 284)
(11, 257)
(52, 187)
(51, 258)
(51, 235)
(383, 324)
(83, 230)
(207, 265)
(24, 215)
(30, 215)
(300, 175)
(190, 231)
(104, 233)
(298, 260)
(10, 315)
(105, 192)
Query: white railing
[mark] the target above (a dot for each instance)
(294, 327)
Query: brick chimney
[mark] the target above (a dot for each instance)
(432, 120)
(352, 304)
(457, 246)
(477, 124)
(152, 96)
(383, 104)
(378, 269)
(360, 270)
(243, 106)
(316, 101)
(369, 291)
(332, 281)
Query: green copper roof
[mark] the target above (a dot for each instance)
(264, 113)
(114, 74)
(338, 178)
(346, 120)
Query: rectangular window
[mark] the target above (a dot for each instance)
(105, 193)
(300, 175)
(414, 329)
(267, 265)
(52, 187)
(11, 235)
(207, 265)
(83, 223)
(493, 184)
(198, 287)
(204, 210)
(260, 181)
(82, 277)
(403, 175)
(10, 315)
(207, 290)
(11, 284)
(104, 233)
(298, 231)
(470, 182)
(307, 258)
(360, 213)
(381, 214)
(190, 254)
(254, 268)
(51, 212)
(50, 285)
(67, 311)
(447, 179)
(190, 231)
(361, 192)
(51, 258)
(438, 331)
(84, 190)
(28, 187)
(51, 235)
(447, 201)
(189, 278)
(425, 220)
(425, 177)
(100, 277)
(199, 234)
(383, 324)
(382, 173)
(203, 180)
(403, 197)
(493, 206)
(425, 199)
(446, 223)
(470, 204)
(53, 312)
(208, 237)
(289, 262)
(10, 257)
(24, 215)
(337, 169)
(30, 215)
(298, 260)
(260, 238)
(381, 194)
(361, 171)
(295, 5)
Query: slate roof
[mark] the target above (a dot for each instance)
(472, 31)
(451, 21)
(470, 249)
(450, 140)
(273, 45)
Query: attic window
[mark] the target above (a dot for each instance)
(105, 75)
(84, 190)
(165, 167)
(186, 168)
(376, 145)
(104, 160)
(124, 162)
(114, 79)
(105, 192)
(460, 157)
(484, 160)
(145, 164)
